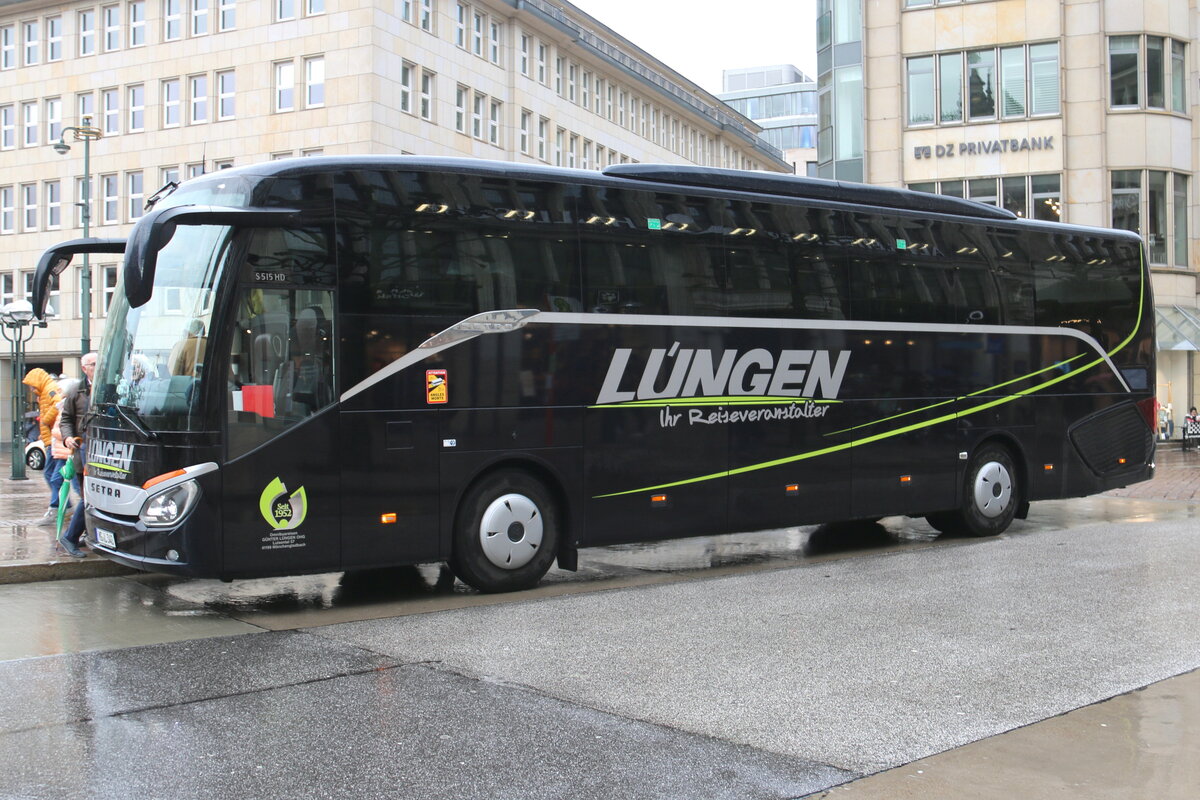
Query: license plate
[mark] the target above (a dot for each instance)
(106, 538)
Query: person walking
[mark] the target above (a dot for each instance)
(73, 425)
(49, 393)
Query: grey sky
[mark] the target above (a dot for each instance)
(699, 38)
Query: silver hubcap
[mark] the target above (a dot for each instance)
(511, 531)
(993, 489)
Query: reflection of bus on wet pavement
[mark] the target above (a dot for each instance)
(638, 353)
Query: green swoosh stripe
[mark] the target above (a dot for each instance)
(917, 426)
(739, 400)
(98, 465)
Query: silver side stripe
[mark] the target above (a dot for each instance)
(512, 319)
(488, 322)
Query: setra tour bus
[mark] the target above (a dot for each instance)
(341, 363)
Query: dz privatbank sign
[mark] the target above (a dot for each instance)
(984, 147)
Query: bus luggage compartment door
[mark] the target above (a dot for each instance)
(653, 473)
(282, 504)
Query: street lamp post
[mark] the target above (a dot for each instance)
(83, 133)
(17, 325)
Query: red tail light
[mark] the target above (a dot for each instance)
(1147, 408)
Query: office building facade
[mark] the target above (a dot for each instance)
(783, 100)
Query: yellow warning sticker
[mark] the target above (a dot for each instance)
(437, 390)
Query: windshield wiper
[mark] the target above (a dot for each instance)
(163, 191)
(131, 418)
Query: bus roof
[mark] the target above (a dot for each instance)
(770, 184)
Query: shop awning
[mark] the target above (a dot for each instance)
(1178, 328)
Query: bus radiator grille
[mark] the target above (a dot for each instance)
(1113, 440)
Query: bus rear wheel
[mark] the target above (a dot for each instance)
(506, 533)
(990, 497)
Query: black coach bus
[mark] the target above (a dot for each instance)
(351, 362)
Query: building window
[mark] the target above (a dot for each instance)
(460, 108)
(559, 135)
(542, 53)
(198, 96)
(87, 32)
(87, 106)
(8, 213)
(52, 191)
(1027, 196)
(112, 28)
(1179, 202)
(314, 82)
(109, 206)
(32, 35)
(285, 87)
(477, 116)
(494, 42)
(1166, 71)
(1153, 203)
(406, 10)
(523, 56)
(427, 83)
(137, 109)
(137, 23)
(228, 14)
(477, 26)
(848, 112)
(1025, 85)
(226, 95)
(494, 122)
(314, 7)
(543, 131)
(54, 124)
(406, 86)
(171, 103)
(133, 182)
(199, 17)
(427, 15)
(921, 95)
(460, 25)
(54, 38)
(110, 106)
(526, 121)
(29, 124)
(285, 10)
(29, 207)
(83, 196)
(1178, 78)
(108, 287)
(172, 20)
(8, 47)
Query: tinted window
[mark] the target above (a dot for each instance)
(1089, 284)
(648, 253)
(782, 262)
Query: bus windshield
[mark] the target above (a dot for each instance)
(152, 357)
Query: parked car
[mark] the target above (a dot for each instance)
(35, 455)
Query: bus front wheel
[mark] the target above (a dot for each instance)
(506, 533)
(990, 497)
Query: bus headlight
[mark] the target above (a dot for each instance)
(170, 506)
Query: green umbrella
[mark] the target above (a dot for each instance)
(64, 493)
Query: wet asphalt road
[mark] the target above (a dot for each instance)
(767, 665)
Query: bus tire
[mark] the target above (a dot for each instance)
(991, 495)
(506, 533)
